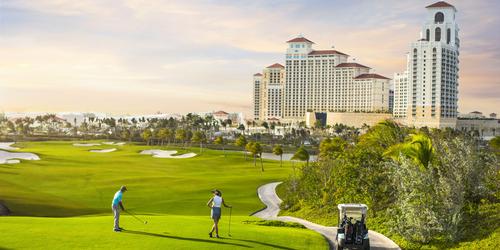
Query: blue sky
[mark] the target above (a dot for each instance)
(180, 56)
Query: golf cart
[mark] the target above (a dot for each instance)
(352, 232)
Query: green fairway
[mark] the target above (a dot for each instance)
(76, 184)
(162, 232)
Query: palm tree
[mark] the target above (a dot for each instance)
(199, 137)
(162, 135)
(256, 150)
(228, 122)
(146, 135)
(278, 150)
(125, 135)
(220, 141)
(419, 148)
(170, 135)
(180, 135)
(242, 142)
(384, 134)
(249, 147)
(266, 126)
(302, 155)
(242, 128)
(248, 125)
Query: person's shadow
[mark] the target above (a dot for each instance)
(183, 238)
(209, 241)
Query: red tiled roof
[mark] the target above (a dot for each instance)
(299, 40)
(370, 76)
(326, 52)
(59, 119)
(257, 74)
(440, 4)
(276, 65)
(352, 65)
(220, 113)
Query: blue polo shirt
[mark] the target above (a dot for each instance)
(117, 198)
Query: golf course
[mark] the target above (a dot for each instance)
(63, 200)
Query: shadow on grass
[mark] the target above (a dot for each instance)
(261, 243)
(38, 209)
(184, 238)
(11, 173)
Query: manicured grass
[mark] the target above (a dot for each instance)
(72, 182)
(162, 232)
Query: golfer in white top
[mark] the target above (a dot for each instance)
(215, 204)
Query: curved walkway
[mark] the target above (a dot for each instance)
(267, 194)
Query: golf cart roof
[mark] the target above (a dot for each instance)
(353, 207)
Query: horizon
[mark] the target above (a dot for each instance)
(133, 58)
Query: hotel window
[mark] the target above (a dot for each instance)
(437, 35)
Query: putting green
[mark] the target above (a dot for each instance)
(78, 185)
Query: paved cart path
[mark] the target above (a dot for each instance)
(267, 194)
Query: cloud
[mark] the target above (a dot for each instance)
(193, 52)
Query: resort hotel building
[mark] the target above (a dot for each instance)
(313, 84)
(318, 81)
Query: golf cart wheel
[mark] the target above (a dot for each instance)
(340, 244)
(338, 247)
(366, 244)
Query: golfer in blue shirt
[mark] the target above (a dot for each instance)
(117, 200)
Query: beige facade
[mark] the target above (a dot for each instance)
(319, 81)
(273, 78)
(426, 94)
(324, 81)
(356, 120)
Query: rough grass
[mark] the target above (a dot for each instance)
(274, 223)
(77, 186)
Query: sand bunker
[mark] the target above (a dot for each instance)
(114, 143)
(166, 154)
(12, 158)
(7, 146)
(86, 144)
(102, 150)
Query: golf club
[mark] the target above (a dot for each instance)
(137, 218)
(230, 212)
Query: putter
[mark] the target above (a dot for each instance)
(137, 218)
(230, 212)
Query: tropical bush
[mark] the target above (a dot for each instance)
(425, 184)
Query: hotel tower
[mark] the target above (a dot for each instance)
(426, 94)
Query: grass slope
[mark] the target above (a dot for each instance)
(74, 183)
